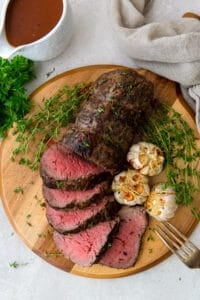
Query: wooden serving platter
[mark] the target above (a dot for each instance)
(25, 210)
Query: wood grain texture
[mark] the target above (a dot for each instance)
(26, 214)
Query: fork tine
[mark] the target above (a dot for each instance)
(175, 242)
(170, 244)
(177, 231)
(171, 232)
(185, 239)
(163, 237)
(166, 239)
(186, 251)
(170, 235)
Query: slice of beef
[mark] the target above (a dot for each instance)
(108, 123)
(72, 221)
(61, 199)
(126, 244)
(61, 168)
(84, 248)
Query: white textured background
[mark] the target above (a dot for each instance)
(92, 43)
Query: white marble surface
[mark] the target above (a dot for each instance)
(92, 43)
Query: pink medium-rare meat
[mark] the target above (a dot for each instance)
(84, 248)
(126, 244)
(60, 168)
(71, 221)
(62, 164)
(60, 199)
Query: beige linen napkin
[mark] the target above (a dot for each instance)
(170, 49)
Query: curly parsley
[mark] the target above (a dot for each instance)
(14, 101)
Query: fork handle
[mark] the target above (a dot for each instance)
(194, 263)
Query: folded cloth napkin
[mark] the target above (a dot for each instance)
(170, 49)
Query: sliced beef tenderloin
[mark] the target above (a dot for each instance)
(126, 244)
(61, 199)
(84, 248)
(61, 168)
(108, 123)
(71, 221)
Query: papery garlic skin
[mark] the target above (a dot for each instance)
(161, 203)
(147, 158)
(130, 187)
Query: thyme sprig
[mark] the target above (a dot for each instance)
(35, 131)
(167, 129)
(15, 264)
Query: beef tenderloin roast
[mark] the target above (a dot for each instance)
(77, 172)
(108, 122)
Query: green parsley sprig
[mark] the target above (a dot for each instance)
(14, 101)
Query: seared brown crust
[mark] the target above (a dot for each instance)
(107, 123)
(79, 184)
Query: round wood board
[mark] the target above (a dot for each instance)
(27, 215)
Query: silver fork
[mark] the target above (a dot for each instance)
(187, 252)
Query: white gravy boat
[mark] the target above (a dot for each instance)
(45, 48)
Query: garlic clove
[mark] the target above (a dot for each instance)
(147, 158)
(130, 187)
(161, 203)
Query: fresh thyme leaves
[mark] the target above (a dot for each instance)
(45, 235)
(18, 190)
(28, 220)
(35, 131)
(50, 72)
(99, 110)
(14, 101)
(150, 238)
(109, 245)
(59, 184)
(54, 254)
(29, 223)
(15, 264)
(195, 213)
(86, 144)
(167, 129)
